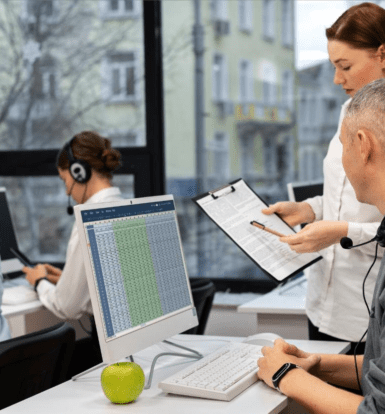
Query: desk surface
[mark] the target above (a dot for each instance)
(288, 299)
(86, 396)
(22, 308)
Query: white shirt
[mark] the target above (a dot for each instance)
(334, 301)
(70, 298)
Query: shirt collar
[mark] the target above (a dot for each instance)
(102, 194)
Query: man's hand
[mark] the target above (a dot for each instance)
(282, 352)
(317, 236)
(53, 273)
(293, 213)
(35, 273)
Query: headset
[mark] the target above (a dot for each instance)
(80, 170)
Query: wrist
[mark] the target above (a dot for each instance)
(309, 213)
(37, 281)
(289, 382)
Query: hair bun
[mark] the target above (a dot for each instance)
(111, 159)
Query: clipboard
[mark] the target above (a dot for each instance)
(232, 208)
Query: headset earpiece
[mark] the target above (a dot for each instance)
(80, 170)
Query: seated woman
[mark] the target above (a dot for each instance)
(85, 164)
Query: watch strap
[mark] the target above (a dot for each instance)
(285, 368)
(38, 281)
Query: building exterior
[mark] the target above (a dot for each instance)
(320, 103)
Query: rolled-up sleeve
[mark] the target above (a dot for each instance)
(316, 203)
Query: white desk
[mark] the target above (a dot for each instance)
(281, 311)
(33, 316)
(86, 396)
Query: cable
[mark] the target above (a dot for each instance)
(84, 329)
(367, 307)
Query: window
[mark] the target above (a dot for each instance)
(218, 153)
(246, 84)
(51, 89)
(269, 19)
(245, 8)
(248, 157)
(287, 89)
(287, 23)
(121, 77)
(269, 82)
(219, 11)
(44, 78)
(119, 9)
(220, 78)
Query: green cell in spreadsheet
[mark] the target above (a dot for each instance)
(137, 270)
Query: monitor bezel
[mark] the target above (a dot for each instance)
(122, 346)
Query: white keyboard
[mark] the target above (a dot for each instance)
(222, 375)
(18, 294)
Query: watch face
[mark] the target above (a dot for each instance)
(281, 371)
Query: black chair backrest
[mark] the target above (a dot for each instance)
(203, 291)
(35, 362)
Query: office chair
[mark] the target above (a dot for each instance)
(35, 362)
(203, 291)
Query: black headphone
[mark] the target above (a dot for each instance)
(347, 243)
(80, 170)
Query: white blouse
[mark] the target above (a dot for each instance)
(334, 301)
(70, 298)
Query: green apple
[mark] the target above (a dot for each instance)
(122, 382)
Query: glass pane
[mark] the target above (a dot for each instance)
(57, 70)
(38, 209)
(209, 252)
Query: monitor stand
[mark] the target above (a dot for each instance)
(196, 355)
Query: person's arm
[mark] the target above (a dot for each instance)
(299, 384)
(317, 396)
(69, 299)
(363, 232)
(316, 203)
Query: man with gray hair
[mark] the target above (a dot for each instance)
(305, 377)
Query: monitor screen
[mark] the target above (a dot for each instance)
(300, 191)
(136, 273)
(9, 263)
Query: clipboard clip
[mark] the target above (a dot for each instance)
(232, 189)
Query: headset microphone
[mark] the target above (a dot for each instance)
(347, 243)
(70, 209)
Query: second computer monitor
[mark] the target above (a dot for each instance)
(136, 273)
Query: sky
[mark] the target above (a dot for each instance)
(312, 18)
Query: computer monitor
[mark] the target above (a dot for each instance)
(300, 191)
(136, 273)
(10, 265)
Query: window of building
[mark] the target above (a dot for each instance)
(44, 78)
(288, 89)
(218, 154)
(287, 22)
(268, 19)
(246, 81)
(245, 8)
(219, 10)
(120, 78)
(220, 78)
(118, 9)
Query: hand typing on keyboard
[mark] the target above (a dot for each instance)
(222, 375)
(282, 352)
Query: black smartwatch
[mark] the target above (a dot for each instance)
(281, 373)
(38, 281)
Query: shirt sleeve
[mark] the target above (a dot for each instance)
(361, 233)
(316, 203)
(374, 400)
(69, 298)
